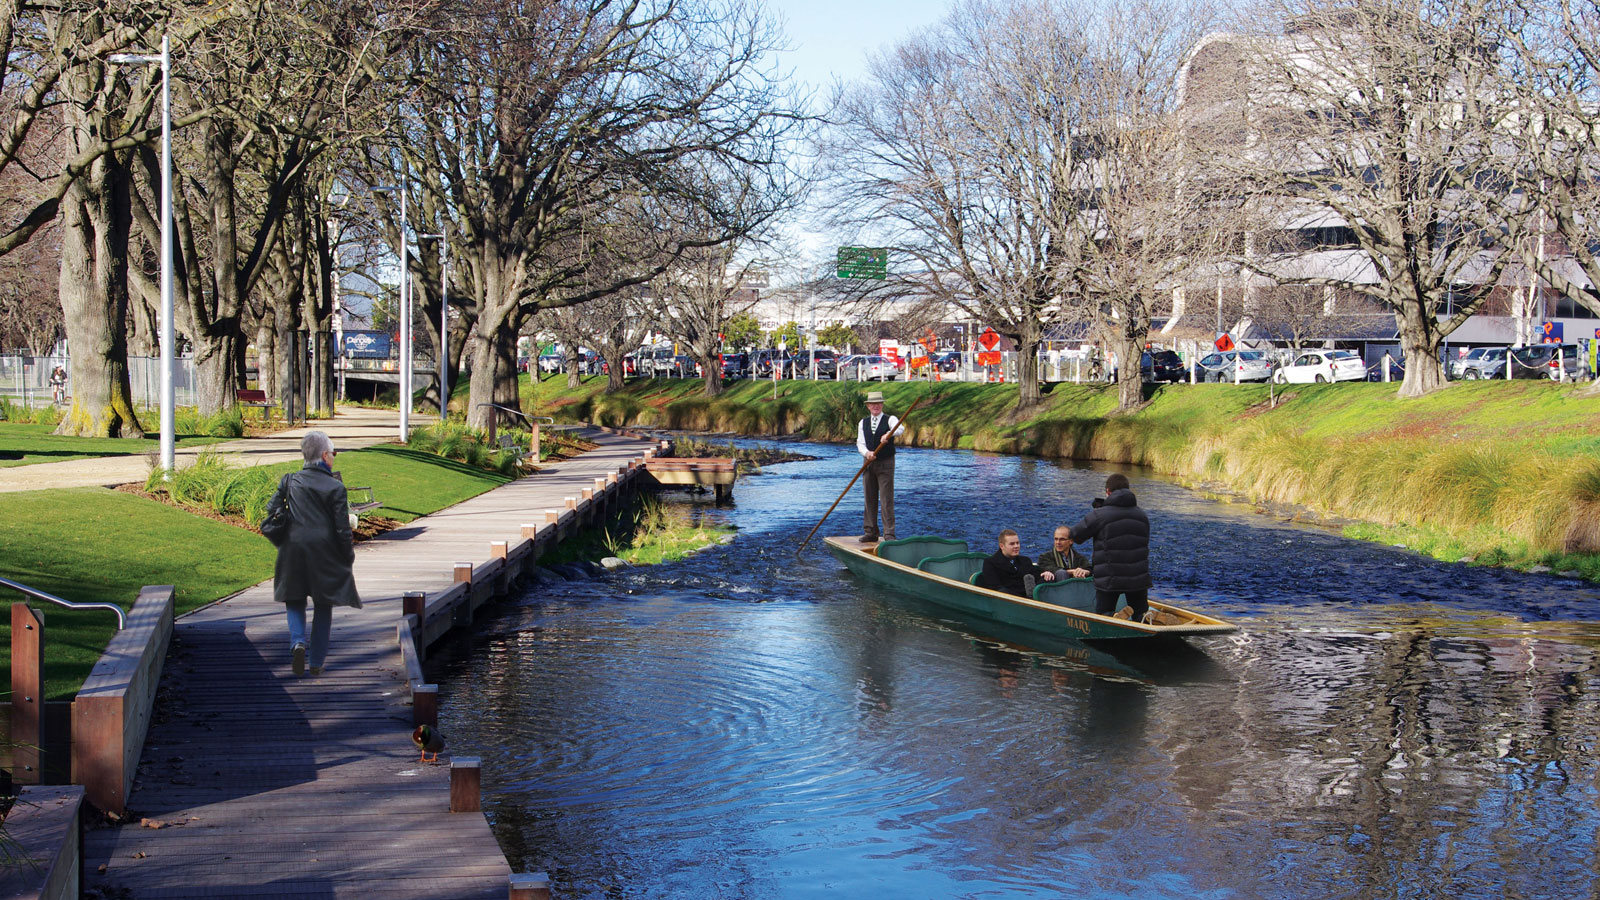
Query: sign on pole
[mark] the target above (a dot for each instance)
(1224, 342)
(1551, 332)
(988, 339)
(863, 262)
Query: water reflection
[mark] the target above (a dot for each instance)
(749, 724)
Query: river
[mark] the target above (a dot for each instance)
(749, 724)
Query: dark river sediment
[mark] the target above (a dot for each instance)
(748, 724)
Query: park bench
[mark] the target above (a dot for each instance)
(258, 399)
(525, 456)
(361, 500)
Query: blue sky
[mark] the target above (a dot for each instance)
(833, 37)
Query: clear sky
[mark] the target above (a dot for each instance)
(831, 38)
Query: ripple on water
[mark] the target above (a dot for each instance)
(748, 724)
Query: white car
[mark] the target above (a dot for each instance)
(875, 368)
(1322, 367)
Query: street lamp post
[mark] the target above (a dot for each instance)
(168, 431)
(405, 312)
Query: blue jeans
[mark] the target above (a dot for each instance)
(321, 628)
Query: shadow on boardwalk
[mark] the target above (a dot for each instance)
(254, 783)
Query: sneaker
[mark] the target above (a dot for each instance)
(1027, 586)
(299, 658)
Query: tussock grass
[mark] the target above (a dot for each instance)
(1507, 473)
(11, 411)
(226, 423)
(460, 442)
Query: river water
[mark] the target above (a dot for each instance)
(749, 724)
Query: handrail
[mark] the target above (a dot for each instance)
(542, 419)
(122, 618)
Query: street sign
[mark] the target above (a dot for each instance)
(1224, 342)
(988, 339)
(989, 358)
(863, 262)
(1551, 332)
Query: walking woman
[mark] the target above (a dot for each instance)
(315, 561)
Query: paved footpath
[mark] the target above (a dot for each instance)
(265, 785)
(352, 428)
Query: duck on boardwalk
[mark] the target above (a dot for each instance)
(429, 740)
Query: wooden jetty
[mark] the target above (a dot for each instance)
(254, 783)
(713, 471)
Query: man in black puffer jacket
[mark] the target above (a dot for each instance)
(1121, 534)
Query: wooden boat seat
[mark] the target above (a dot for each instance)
(913, 550)
(1074, 593)
(961, 566)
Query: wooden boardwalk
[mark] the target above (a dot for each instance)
(254, 783)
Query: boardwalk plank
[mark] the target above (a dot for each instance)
(310, 788)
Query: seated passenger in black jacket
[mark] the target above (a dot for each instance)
(1008, 570)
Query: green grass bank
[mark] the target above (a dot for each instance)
(1501, 473)
(92, 545)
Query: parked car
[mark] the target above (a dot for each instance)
(735, 365)
(1161, 365)
(549, 362)
(762, 361)
(799, 365)
(1457, 368)
(1241, 365)
(947, 361)
(1539, 361)
(1322, 367)
(876, 368)
(1490, 363)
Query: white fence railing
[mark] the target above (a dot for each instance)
(26, 380)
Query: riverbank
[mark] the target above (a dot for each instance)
(1493, 473)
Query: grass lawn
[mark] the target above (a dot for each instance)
(91, 544)
(25, 445)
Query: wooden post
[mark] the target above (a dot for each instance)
(463, 572)
(530, 531)
(588, 493)
(533, 443)
(27, 693)
(414, 603)
(498, 550)
(425, 704)
(530, 886)
(552, 517)
(572, 503)
(466, 780)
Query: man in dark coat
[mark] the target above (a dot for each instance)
(316, 559)
(1008, 570)
(1121, 534)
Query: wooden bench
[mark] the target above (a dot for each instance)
(257, 399)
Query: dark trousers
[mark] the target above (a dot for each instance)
(1105, 602)
(878, 481)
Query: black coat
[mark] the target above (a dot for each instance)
(315, 561)
(1004, 573)
(1121, 534)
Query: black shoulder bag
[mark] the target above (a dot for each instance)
(275, 527)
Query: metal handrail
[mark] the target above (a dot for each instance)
(540, 419)
(122, 618)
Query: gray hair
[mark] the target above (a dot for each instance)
(314, 444)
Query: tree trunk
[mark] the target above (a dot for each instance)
(216, 358)
(1130, 381)
(94, 302)
(1029, 336)
(267, 358)
(574, 377)
(494, 371)
(1419, 341)
(711, 373)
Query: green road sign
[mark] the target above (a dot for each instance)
(864, 262)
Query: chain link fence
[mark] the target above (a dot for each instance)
(27, 380)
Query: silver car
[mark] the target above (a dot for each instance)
(1241, 365)
(1491, 363)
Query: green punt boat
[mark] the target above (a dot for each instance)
(941, 570)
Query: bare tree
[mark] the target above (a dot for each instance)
(534, 120)
(962, 154)
(1154, 221)
(1380, 117)
(699, 293)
